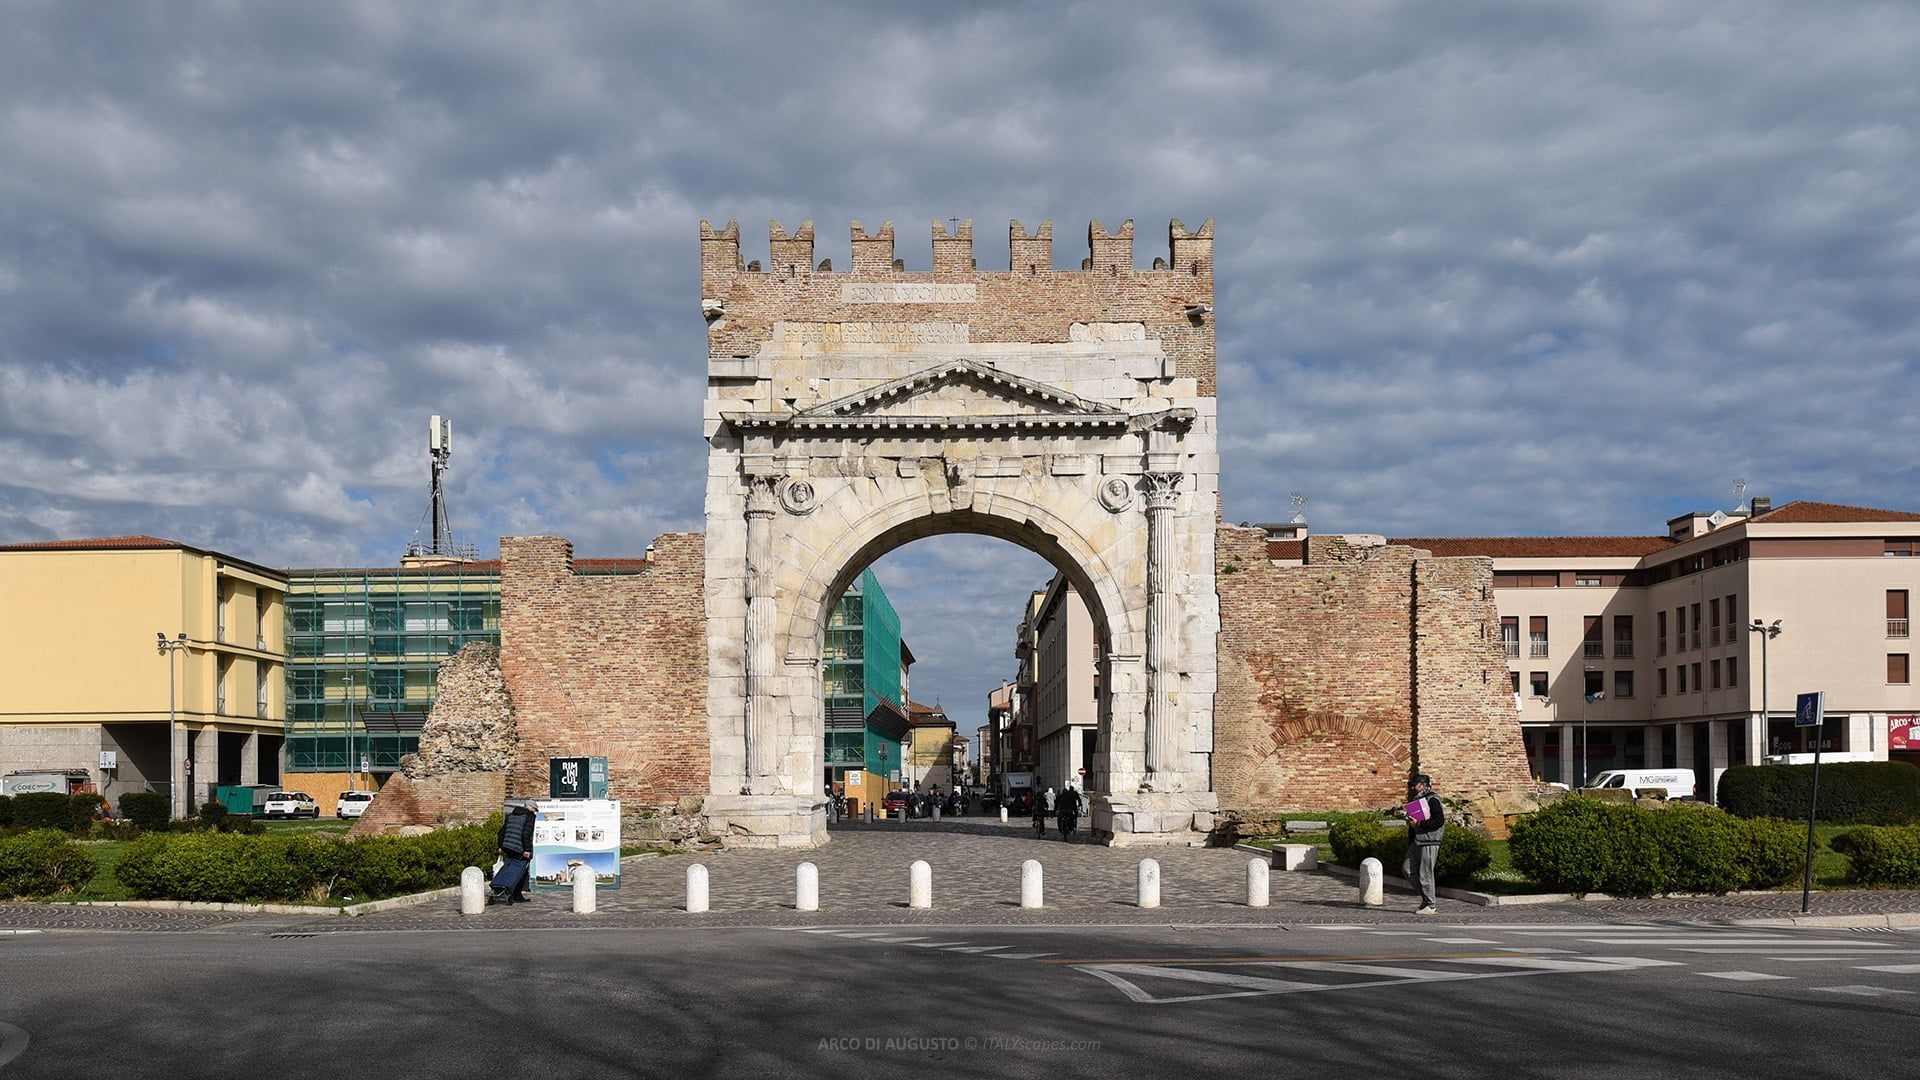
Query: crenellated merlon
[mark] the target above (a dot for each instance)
(1189, 251)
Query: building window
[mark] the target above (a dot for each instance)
(1733, 671)
(1591, 647)
(1733, 620)
(1623, 637)
(1680, 629)
(1713, 620)
(1901, 547)
(1897, 626)
(221, 598)
(1537, 634)
(1623, 684)
(1713, 671)
(1537, 681)
(1898, 672)
(1593, 683)
(1680, 678)
(1660, 633)
(1513, 680)
(1586, 582)
(1695, 624)
(260, 692)
(1510, 634)
(220, 685)
(1697, 684)
(1661, 690)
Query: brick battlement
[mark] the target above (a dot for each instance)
(1189, 251)
(1029, 302)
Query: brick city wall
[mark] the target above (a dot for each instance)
(608, 666)
(1028, 302)
(1326, 703)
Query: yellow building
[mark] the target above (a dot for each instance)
(85, 683)
(929, 748)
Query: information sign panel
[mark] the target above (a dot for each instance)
(576, 832)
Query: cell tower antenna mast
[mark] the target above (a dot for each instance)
(440, 446)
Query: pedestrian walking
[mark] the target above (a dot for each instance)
(1426, 828)
(515, 844)
(1040, 814)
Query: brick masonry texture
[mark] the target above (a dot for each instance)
(1340, 677)
(1029, 302)
(450, 798)
(608, 666)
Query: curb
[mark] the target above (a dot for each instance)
(1478, 899)
(1896, 921)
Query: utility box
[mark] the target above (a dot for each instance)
(246, 800)
(577, 777)
(61, 781)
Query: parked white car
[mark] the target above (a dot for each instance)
(291, 804)
(1667, 783)
(352, 803)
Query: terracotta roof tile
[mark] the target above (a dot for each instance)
(1540, 547)
(103, 543)
(1802, 512)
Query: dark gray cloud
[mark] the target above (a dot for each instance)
(1483, 267)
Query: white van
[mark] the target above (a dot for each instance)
(1672, 783)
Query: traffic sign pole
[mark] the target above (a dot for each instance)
(1809, 710)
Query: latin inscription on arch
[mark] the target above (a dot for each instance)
(903, 292)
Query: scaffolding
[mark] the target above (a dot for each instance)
(364, 649)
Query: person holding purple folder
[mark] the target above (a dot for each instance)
(1427, 826)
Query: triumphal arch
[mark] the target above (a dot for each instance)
(851, 411)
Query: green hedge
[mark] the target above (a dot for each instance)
(1851, 792)
(43, 863)
(6, 811)
(1885, 855)
(147, 809)
(232, 867)
(1463, 853)
(1585, 845)
(42, 810)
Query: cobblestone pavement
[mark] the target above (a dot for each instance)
(976, 880)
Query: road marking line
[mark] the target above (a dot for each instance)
(1817, 959)
(1398, 933)
(863, 933)
(1807, 947)
(1578, 963)
(1770, 942)
(977, 948)
(1532, 949)
(1741, 976)
(1863, 991)
(1254, 986)
(892, 940)
(1462, 941)
(1019, 955)
(1896, 969)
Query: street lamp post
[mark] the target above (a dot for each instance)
(1585, 709)
(167, 647)
(1767, 632)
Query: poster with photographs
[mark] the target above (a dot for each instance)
(576, 832)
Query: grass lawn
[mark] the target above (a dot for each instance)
(104, 885)
(307, 825)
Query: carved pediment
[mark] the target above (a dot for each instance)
(952, 394)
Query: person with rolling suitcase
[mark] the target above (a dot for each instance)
(510, 881)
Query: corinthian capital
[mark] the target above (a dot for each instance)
(1162, 489)
(762, 495)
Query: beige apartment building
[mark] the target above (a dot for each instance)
(1066, 694)
(1648, 644)
(86, 685)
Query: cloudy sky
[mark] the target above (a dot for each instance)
(1483, 268)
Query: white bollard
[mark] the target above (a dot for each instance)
(1003, 815)
(1031, 885)
(903, 815)
(1256, 883)
(806, 887)
(868, 811)
(696, 888)
(473, 891)
(1373, 891)
(1149, 883)
(584, 886)
(936, 811)
(920, 885)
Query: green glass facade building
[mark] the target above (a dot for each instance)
(865, 712)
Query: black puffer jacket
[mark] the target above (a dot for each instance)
(516, 833)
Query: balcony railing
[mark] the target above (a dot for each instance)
(1539, 649)
(1660, 647)
(1592, 650)
(1512, 647)
(1896, 628)
(1623, 650)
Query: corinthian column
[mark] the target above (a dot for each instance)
(760, 721)
(1163, 759)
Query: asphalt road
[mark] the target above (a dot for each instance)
(919, 1002)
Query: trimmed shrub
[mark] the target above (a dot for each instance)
(147, 809)
(83, 809)
(1583, 845)
(213, 815)
(6, 811)
(1881, 855)
(42, 810)
(43, 863)
(1851, 792)
(1463, 853)
(234, 867)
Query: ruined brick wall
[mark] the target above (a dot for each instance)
(448, 799)
(1340, 677)
(1028, 302)
(609, 666)
(471, 726)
